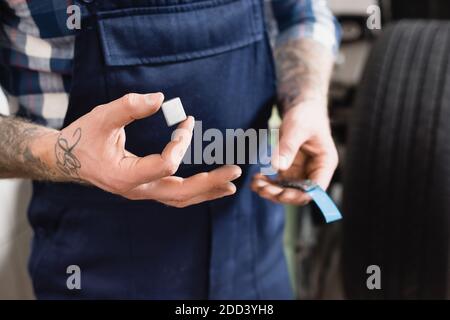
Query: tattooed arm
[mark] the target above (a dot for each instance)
(304, 60)
(303, 69)
(306, 149)
(92, 150)
(25, 151)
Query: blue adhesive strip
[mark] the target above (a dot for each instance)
(325, 204)
(319, 196)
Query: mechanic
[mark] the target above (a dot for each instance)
(71, 94)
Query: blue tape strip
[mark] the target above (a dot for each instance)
(319, 196)
(325, 204)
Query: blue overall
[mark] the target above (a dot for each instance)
(215, 55)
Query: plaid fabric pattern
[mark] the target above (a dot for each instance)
(312, 19)
(36, 49)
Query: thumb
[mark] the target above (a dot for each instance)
(292, 137)
(131, 107)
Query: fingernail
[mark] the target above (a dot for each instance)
(237, 174)
(192, 121)
(152, 98)
(232, 188)
(273, 190)
(149, 100)
(260, 183)
(282, 163)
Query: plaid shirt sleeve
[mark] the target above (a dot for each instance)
(36, 51)
(297, 19)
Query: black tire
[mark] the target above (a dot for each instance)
(420, 9)
(397, 174)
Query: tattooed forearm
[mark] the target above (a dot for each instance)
(19, 142)
(66, 161)
(303, 70)
(32, 164)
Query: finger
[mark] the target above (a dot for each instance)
(270, 191)
(323, 175)
(294, 197)
(292, 137)
(260, 176)
(225, 190)
(181, 139)
(131, 107)
(324, 167)
(178, 189)
(156, 166)
(266, 188)
(257, 184)
(197, 184)
(269, 197)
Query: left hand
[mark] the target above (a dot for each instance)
(306, 150)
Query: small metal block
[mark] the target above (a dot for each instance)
(173, 111)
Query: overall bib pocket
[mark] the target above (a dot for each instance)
(170, 34)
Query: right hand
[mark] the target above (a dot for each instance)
(92, 149)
